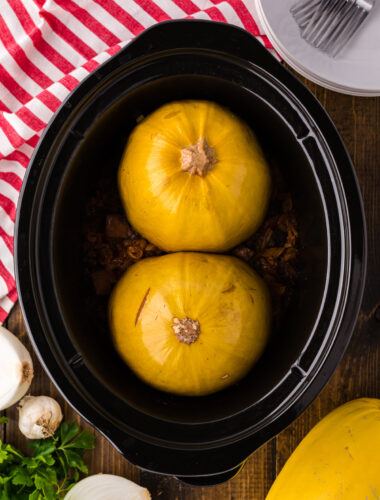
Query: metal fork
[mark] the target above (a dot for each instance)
(332, 23)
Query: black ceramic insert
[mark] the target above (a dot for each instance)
(211, 435)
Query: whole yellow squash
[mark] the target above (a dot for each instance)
(193, 177)
(190, 323)
(338, 459)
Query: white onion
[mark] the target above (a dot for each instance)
(39, 416)
(107, 487)
(16, 369)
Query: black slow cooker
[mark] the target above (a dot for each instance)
(202, 440)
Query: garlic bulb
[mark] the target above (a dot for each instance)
(107, 486)
(16, 369)
(39, 416)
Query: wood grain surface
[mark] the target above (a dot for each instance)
(358, 121)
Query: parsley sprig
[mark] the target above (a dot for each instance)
(53, 468)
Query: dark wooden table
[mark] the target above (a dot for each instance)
(358, 120)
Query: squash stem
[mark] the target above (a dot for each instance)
(186, 330)
(198, 159)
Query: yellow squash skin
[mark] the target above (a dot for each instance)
(176, 210)
(338, 460)
(229, 301)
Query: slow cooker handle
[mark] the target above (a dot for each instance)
(191, 33)
(212, 480)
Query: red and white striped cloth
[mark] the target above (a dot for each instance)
(46, 49)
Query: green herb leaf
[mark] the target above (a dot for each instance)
(35, 495)
(85, 440)
(5, 493)
(75, 460)
(49, 492)
(30, 463)
(3, 456)
(14, 454)
(42, 447)
(21, 477)
(48, 459)
(68, 431)
(3, 420)
(75, 477)
(62, 471)
(39, 481)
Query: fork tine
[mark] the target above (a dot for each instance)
(302, 13)
(301, 9)
(303, 20)
(301, 6)
(306, 13)
(319, 17)
(336, 24)
(348, 34)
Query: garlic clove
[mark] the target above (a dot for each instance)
(16, 369)
(107, 486)
(39, 416)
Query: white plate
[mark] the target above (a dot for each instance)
(355, 71)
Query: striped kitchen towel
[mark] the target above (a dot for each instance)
(46, 48)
